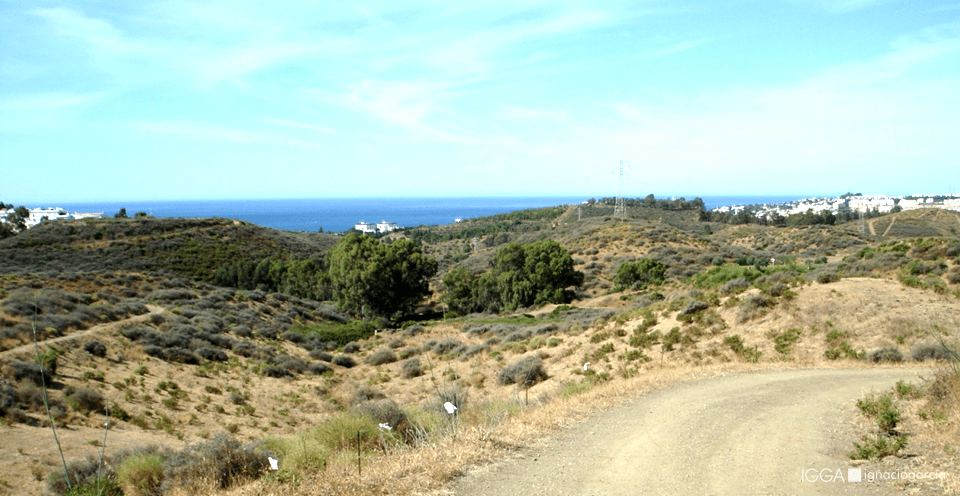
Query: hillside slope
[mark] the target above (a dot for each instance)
(260, 365)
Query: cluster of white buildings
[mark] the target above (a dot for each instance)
(857, 203)
(38, 215)
(379, 227)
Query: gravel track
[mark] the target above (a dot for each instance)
(752, 433)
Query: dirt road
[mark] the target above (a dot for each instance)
(755, 433)
(75, 337)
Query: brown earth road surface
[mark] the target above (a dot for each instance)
(69, 338)
(752, 433)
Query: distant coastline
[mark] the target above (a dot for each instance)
(340, 214)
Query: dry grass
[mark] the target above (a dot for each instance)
(485, 436)
(497, 421)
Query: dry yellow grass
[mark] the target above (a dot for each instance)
(874, 313)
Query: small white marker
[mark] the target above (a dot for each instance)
(451, 408)
(386, 427)
(586, 366)
(273, 463)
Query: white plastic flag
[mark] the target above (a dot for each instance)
(586, 366)
(450, 407)
(386, 427)
(273, 463)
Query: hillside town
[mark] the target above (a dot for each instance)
(37, 215)
(855, 203)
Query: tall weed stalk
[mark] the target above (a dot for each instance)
(46, 402)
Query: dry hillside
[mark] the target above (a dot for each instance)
(200, 371)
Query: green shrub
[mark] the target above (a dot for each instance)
(716, 276)
(141, 475)
(906, 390)
(99, 487)
(600, 336)
(641, 273)
(875, 448)
(785, 340)
(220, 461)
(411, 368)
(341, 334)
(95, 348)
(573, 388)
(671, 338)
(84, 399)
(525, 372)
(827, 277)
(645, 340)
(366, 393)
(735, 286)
(843, 350)
(736, 344)
(381, 357)
(344, 361)
(385, 411)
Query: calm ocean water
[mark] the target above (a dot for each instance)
(340, 214)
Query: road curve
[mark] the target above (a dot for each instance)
(752, 433)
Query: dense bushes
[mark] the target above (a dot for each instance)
(886, 354)
(84, 399)
(519, 276)
(640, 273)
(525, 372)
(95, 348)
(341, 334)
(411, 368)
(932, 351)
(382, 357)
(220, 461)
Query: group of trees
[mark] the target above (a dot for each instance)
(301, 278)
(651, 201)
(122, 214)
(367, 278)
(15, 222)
(808, 218)
(370, 278)
(519, 276)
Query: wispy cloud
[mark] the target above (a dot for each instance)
(96, 32)
(232, 64)
(673, 49)
(312, 127)
(48, 101)
(198, 131)
(843, 6)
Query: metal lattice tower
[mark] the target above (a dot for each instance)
(619, 211)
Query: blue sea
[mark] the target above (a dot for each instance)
(341, 214)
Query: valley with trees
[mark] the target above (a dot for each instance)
(206, 346)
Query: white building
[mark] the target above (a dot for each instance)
(38, 215)
(379, 227)
(384, 226)
(365, 228)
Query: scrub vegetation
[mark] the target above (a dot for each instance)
(215, 344)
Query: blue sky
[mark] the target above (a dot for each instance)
(119, 100)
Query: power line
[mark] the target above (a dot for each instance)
(619, 211)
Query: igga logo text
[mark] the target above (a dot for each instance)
(824, 475)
